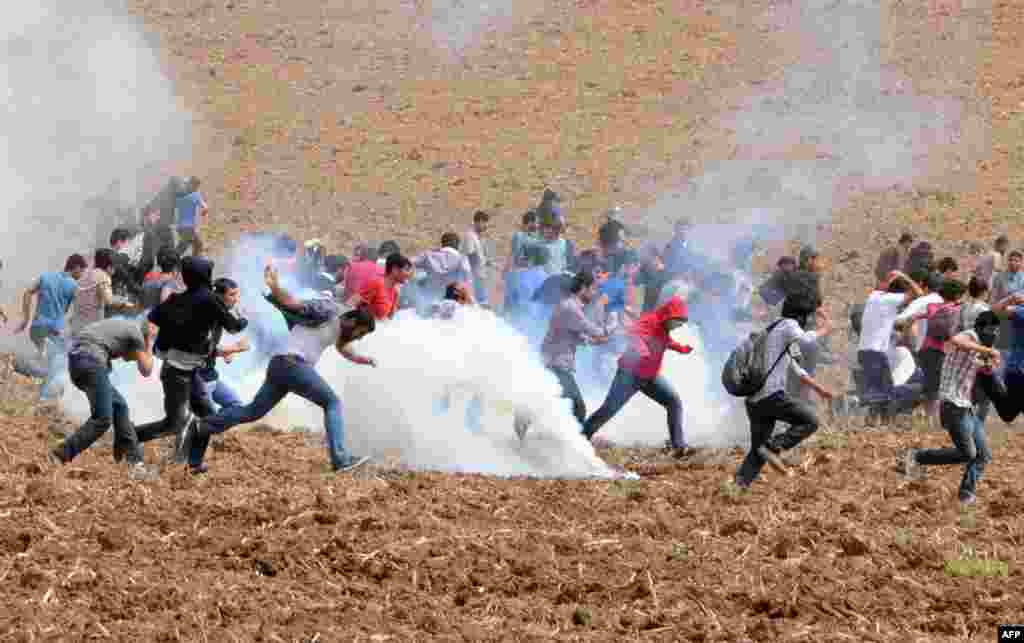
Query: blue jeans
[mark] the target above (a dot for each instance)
(107, 408)
(970, 446)
(480, 290)
(54, 347)
(624, 387)
(474, 410)
(285, 374)
(208, 395)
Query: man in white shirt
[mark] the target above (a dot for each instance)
(772, 404)
(441, 267)
(930, 285)
(881, 311)
(473, 248)
(315, 325)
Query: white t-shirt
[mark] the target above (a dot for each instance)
(880, 313)
(471, 245)
(918, 307)
(311, 342)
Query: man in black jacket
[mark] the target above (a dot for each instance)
(186, 321)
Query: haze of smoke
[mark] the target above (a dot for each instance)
(86, 104)
(389, 410)
(837, 125)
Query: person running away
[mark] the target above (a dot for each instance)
(209, 390)
(52, 293)
(93, 349)
(640, 372)
(772, 403)
(568, 329)
(314, 325)
(968, 352)
(380, 295)
(186, 323)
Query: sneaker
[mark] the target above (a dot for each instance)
(906, 463)
(199, 469)
(140, 472)
(353, 463)
(773, 460)
(967, 502)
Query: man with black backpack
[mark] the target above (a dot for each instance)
(771, 403)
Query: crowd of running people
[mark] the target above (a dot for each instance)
(934, 334)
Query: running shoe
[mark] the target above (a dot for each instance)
(352, 464)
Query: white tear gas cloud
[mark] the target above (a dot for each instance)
(86, 105)
(390, 410)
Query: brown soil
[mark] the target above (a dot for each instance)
(316, 122)
(269, 547)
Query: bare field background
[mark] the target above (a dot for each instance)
(343, 123)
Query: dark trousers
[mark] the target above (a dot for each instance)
(970, 447)
(624, 387)
(107, 408)
(571, 391)
(880, 394)
(177, 385)
(763, 415)
(1006, 395)
(209, 394)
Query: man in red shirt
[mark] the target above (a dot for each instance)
(380, 294)
(361, 271)
(639, 369)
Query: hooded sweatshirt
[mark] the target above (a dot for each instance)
(648, 340)
(187, 320)
(443, 266)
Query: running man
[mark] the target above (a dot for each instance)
(380, 295)
(569, 328)
(639, 371)
(314, 325)
(186, 322)
(92, 350)
(967, 354)
(53, 293)
(772, 403)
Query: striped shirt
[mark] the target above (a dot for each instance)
(959, 369)
(785, 333)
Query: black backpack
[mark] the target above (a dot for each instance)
(743, 374)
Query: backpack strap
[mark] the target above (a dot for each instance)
(777, 359)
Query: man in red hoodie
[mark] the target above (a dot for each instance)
(639, 366)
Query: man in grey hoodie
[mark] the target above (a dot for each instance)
(443, 266)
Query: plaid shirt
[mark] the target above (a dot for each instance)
(958, 372)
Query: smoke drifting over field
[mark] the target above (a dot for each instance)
(391, 410)
(839, 123)
(86, 105)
